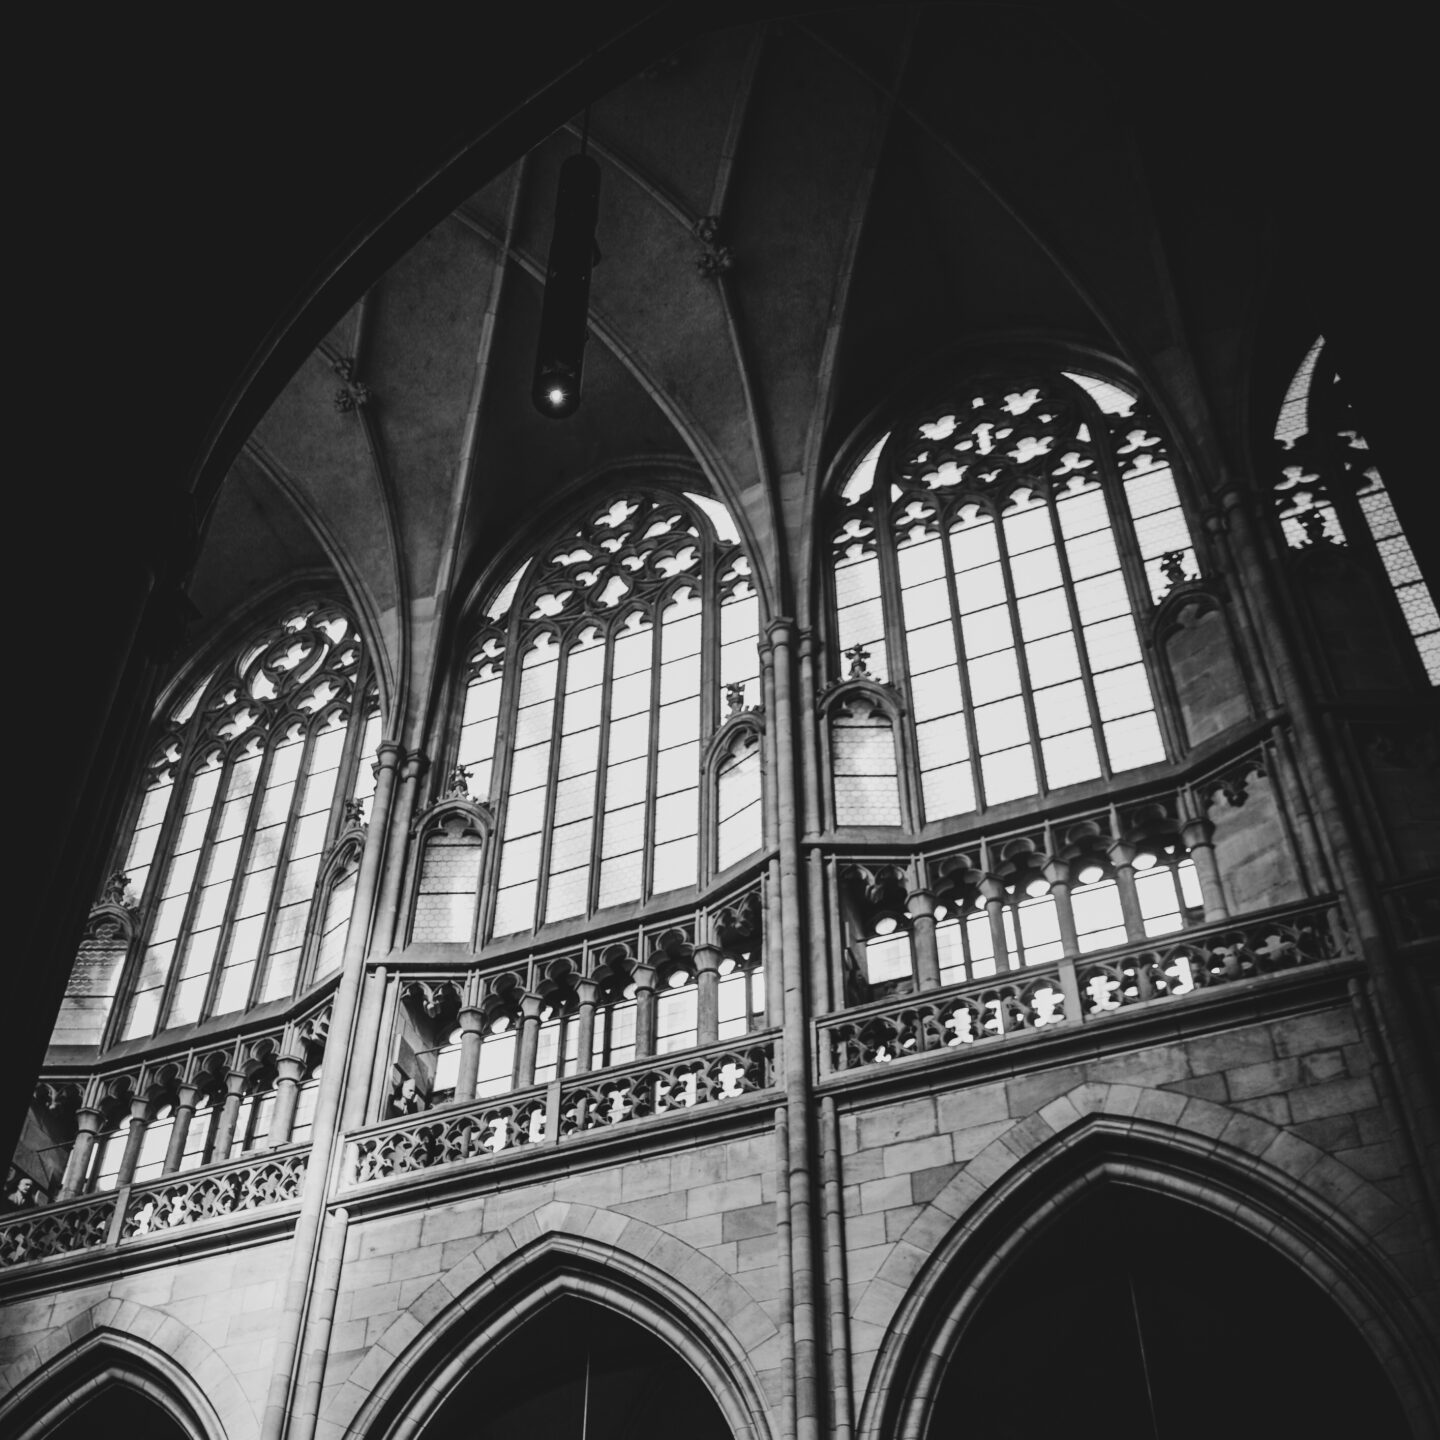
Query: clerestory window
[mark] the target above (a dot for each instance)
(601, 674)
(240, 854)
(989, 559)
(1330, 490)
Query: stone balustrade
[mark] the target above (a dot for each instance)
(1083, 988)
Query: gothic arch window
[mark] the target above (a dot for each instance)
(258, 771)
(1330, 490)
(591, 691)
(995, 557)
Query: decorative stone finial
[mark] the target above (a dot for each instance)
(354, 814)
(735, 696)
(457, 785)
(1172, 566)
(116, 890)
(715, 258)
(857, 655)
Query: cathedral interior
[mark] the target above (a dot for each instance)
(851, 850)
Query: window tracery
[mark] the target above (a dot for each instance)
(990, 558)
(591, 691)
(258, 772)
(1330, 491)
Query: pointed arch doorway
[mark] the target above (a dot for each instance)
(1136, 1314)
(579, 1371)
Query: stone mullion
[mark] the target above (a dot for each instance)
(552, 783)
(1022, 663)
(707, 1002)
(192, 903)
(652, 760)
(972, 736)
(237, 883)
(282, 869)
(602, 761)
(348, 769)
(1082, 649)
(897, 638)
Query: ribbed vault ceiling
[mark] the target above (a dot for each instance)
(893, 182)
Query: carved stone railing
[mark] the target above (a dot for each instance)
(155, 1207)
(1082, 989)
(561, 1111)
(250, 1183)
(55, 1230)
(448, 1135)
(663, 1085)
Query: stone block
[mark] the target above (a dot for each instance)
(452, 1223)
(889, 1193)
(1229, 1049)
(385, 1237)
(1210, 1087)
(991, 1165)
(1296, 1157)
(1121, 1100)
(757, 1252)
(640, 1179)
(753, 1155)
(1033, 1131)
(866, 1164)
(878, 1303)
(1374, 1162)
(1335, 1097)
(897, 1222)
(591, 1187)
(926, 1184)
(973, 1105)
(1246, 1132)
(1268, 1077)
(1321, 1065)
(347, 1335)
(424, 1260)
(697, 1167)
(747, 1223)
(657, 1209)
(701, 1231)
(967, 1144)
(1321, 1031)
(1331, 1132)
(910, 1155)
(864, 1230)
(1162, 1106)
(1157, 1065)
(1060, 1114)
(1027, 1093)
(1204, 1117)
(374, 1271)
(909, 1120)
(1274, 1108)
(727, 1195)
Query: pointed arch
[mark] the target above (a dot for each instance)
(1237, 1183)
(120, 1343)
(623, 1264)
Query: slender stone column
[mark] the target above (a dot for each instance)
(588, 990)
(1122, 857)
(1057, 872)
(921, 907)
(530, 1007)
(472, 1022)
(229, 1114)
(134, 1139)
(993, 892)
(287, 1096)
(1198, 834)
(707, 1004)
(186, 1095)
(644, 978)
(402, 807)
(77, 1167)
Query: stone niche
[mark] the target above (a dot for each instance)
(1252, 847)
(1208, 683)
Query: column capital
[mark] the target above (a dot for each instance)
(187, 1094)
(587, 987)
(414, 766)
(707, 957)
(530, 1005)
(140, 1108)
(992, 888)
(291, 1068)
(89, 1119)
(644, 976)
(472, 1019)
(235, 1082)
(1197, 832)
(1122, 853)
(388, 755)
(920, 904)
(1056, 871)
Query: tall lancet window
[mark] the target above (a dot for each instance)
(990, 559)
(242, 845)
(591, 692)
(1330, 491)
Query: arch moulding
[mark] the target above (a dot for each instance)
(563, 1250)
(983, 1231)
